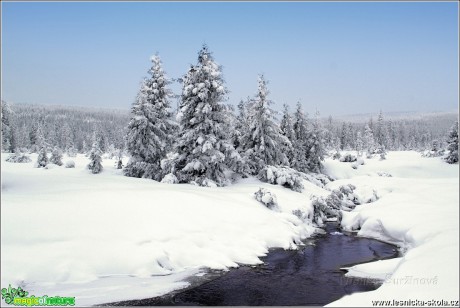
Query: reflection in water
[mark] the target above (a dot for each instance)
(308, 276)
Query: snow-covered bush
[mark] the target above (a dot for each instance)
(283, 176)
(266, 198)
(56, 157)
(357, 163)
(170, 179)
(18, 158)
(70, 164)
(384, 174)
(322, 211)
(348, 158)
(320, 180)
(341, 199)
(336, 155)
(42, 159)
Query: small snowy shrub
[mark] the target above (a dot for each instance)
(357, 163)
(283, 176)
(266, 198)
(18, 158)
(70, 164)
(336, 155)
(301, 215)
(170, 179)
(348, 158)
(384, 174)
(322, 211)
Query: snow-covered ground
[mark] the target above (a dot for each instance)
(418, 210)
(107, 237)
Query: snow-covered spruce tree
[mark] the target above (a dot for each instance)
(301, 133)
(36, 137)
(287, 129)
(204, 150)
(369, 142)
(381, 133)
(95, 159)
(8, 140)
(241, 123)
(56, 156)
(315, 147)
(452, 145)
(149, 135)
(42, 159)
(263, 141)
(359, 143)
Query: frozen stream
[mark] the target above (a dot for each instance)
(308, 276)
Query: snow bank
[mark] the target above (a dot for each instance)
(106, 237)
(417, 210)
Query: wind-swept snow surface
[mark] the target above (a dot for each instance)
(418, 210)
(106, 237)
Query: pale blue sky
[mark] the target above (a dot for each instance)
(337, 57)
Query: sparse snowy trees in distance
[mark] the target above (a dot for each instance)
(150, 130)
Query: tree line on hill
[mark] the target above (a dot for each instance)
(206, 139)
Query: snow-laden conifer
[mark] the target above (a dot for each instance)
(56, 156)
(149, 135)
(263, 141)
(204, 150)
(95, 157)
(452, 145)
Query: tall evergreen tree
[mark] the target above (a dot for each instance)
(263, 141)
(452, 145)
(241, 123)
(149, 135)
(42, 158)
(287, 129)
(56, 156)
(369, 142)
(8, 130)
(315, 147)
(204, 150)
(301, 136)
(381, 134)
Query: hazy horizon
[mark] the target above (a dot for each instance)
(338, 58)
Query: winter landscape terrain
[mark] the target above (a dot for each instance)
(109, 237)
(292, 173)
(106, 207)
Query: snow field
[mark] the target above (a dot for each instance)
(67, 230)
(417, 210)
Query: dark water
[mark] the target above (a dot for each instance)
(308, 276)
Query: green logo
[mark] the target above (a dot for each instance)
(18, 297)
